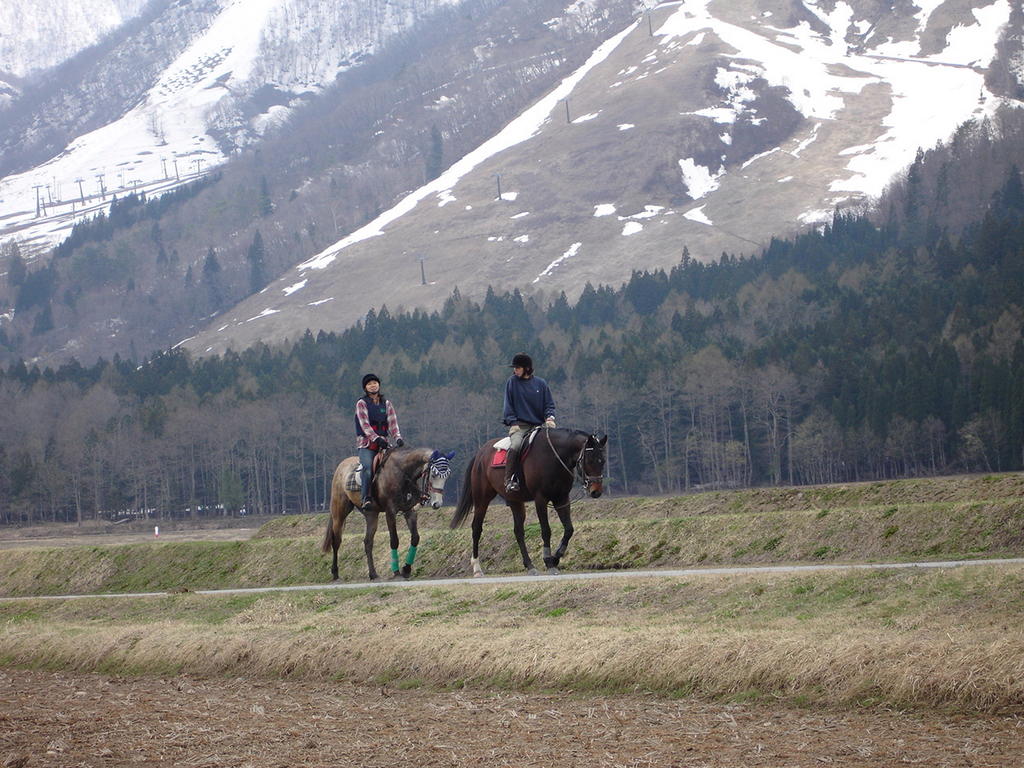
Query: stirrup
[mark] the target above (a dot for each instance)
(512, 485)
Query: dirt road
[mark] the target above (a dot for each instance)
(69, 721)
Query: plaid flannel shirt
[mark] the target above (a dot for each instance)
(367, 439)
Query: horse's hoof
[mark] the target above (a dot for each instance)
(552, 571)
(406, 571)
(532, 572)
(477, 574)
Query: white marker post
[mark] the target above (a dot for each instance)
(156, 530)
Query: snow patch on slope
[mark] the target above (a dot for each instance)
(818, 71)
(519, 130)
(573, 250)
(698, 179)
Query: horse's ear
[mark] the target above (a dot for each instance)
(450, 456)
(434, 455)
(603, 440)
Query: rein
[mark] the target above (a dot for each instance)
(577, 466)
(426, 488)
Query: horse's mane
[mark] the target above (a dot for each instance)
(573, 433)
(405, 457)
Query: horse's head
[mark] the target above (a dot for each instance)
(592, 462)
(438, 468)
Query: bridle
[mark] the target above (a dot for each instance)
(442, 469)
(578, 466)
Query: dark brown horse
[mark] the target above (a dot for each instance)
(548, 468)
(407, 477)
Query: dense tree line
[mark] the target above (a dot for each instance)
(127, 212)
(857, 352)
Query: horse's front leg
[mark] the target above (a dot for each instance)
(391, 517)
(414, 542)
(479, 513)
(371, 531)
(519, 526)
(567, 531)
(545, 534)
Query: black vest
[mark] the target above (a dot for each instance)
(377, 414)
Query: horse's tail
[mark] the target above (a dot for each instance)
(466, 498)
(328, 542)
(337, 500)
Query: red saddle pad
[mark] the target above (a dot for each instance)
(498, 460)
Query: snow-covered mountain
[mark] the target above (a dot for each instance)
(204, 79)
(701, 126)
(36, 36)
(709, 125)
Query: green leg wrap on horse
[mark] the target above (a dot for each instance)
(409, 558)
(394, 559)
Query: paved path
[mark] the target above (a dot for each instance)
(571, 576)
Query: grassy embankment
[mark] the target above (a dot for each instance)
(946, 638)
(934, 519)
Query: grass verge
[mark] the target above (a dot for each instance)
(951, 639)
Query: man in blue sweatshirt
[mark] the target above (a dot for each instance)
(528, 403)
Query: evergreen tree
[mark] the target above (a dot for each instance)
(43, 321)
(434, 160)
(212, 280)
(37, 288)
(266, 205)
(16, 270)
(256, 256)
(1011, 197)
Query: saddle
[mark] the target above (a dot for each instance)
(501, 447)
(354, 480)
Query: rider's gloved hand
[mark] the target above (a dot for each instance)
(381, 441)
(549, 422)
(399, 443)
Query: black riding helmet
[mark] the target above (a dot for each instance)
(370, 377)
(523, 361)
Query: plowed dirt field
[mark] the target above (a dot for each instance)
(66, 721)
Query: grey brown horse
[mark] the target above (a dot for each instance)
(549, 467)
(406, 478)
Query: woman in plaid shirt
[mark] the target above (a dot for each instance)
(376, 421)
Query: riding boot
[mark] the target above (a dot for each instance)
(515, 447)
(367, 496)
(512, 470)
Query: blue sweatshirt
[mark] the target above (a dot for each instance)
(527, 400)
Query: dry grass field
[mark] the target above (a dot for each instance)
(852, 668)
(93, 534)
